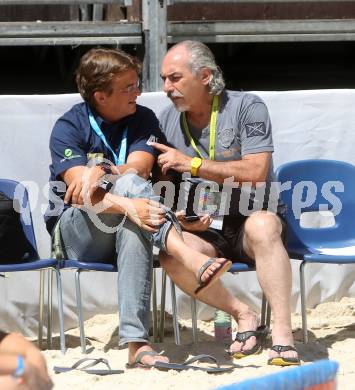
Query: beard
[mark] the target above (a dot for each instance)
(179, 105)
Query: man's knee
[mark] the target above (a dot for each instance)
(262, 228)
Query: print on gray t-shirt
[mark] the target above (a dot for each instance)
(243, 127)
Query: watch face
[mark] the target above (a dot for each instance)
(106, 185)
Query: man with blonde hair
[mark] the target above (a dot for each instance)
(101, 160)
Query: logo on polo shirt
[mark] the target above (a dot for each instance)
(68, 153)
(255, 129)
(226, 137)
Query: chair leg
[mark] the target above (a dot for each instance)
(80, 311)
(60, 310)
(263, 310)
(268, 314)
(303, 302)
(174, 310)
(194, 320)
(162, 307)
(154, 304)
(41, 308)
(50, 308)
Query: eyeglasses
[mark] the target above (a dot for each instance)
(131, 88)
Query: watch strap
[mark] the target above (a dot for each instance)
(195, 165)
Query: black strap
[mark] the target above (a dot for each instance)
(283, 348)
(199, 358)
(203, 268)
(145, 353)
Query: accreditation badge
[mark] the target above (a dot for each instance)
(205, 198)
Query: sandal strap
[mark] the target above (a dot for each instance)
(283, 348)
(94, 362)
(242, 337)
(199, 358)
(141, 355)
(203, 268)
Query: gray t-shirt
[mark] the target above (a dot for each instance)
(243, 127)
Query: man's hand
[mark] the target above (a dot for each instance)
(145, 213)
(200, 225)
(171, 158)
(83, 186)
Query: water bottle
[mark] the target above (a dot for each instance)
(222, 327)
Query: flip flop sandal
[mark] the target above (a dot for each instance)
(138, 362)
(283, 361)
(187, 365)
(260, 334)
(224, 267)
(94, 362)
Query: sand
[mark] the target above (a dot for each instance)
(332, 336)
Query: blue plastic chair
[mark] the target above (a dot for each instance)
(320, 375)
(318, 185)
(82, 266)
(16, 191)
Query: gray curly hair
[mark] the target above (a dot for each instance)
(202, 57)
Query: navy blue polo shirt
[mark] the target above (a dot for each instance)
(73, 142)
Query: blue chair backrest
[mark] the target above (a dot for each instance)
(318, 375)
(17, 191)
(316, 185)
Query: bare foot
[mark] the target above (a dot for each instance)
(247, 321)
(136, 348)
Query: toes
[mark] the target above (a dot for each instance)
(239, 347)
(235, 347)
(249, 344)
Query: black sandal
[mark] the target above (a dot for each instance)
(138, 361)
(224, 267)
(187, 365)
(283, 361)
(93, 362)
(260, 334)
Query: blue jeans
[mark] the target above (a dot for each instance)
(110, 237)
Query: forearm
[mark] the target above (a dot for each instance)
(105, 202)
(240, 171)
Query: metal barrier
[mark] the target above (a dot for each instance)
(154, 31)
(85, 32)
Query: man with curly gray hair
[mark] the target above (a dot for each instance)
(216, 138)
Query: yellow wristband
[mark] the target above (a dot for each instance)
(195, 165)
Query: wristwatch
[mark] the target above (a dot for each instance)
(195, 165)
(106, 167)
